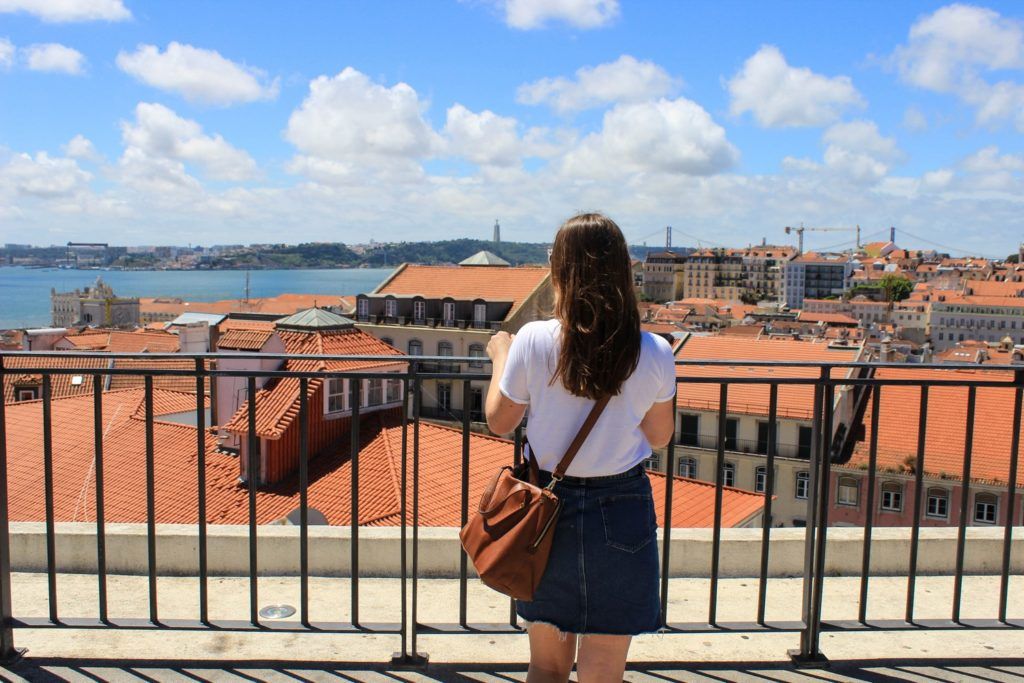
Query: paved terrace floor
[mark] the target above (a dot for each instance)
(58, 655)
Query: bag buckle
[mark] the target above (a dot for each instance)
(554, 480)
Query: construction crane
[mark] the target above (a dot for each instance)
(800, 233)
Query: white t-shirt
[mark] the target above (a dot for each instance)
(616, 443)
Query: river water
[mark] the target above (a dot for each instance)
(25, 292)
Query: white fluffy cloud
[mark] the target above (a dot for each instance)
(6, 53)
(858, 151)
(957, 49)
(351, 122)
(197, 74)
(62, 11)
(585, 14)
(55, 57)
(81, 147)
(162, 140)
(780, 95)
(989, 160)
(485, 138)
(674, 137)
(42, 176)
(627, 79)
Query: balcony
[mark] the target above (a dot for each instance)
(79, 589)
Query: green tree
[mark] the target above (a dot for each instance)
(897, 287)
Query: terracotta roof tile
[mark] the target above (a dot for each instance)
(831, 318)
(467, 282)
(277, 405)
(176, 499)
(244, 339)
(124, 341)
(794, 400)
(60, 385)
(946, 426)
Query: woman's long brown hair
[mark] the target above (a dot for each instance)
(597, 306)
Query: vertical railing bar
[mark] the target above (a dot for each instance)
(808, 644)
(304, 501)
(915, 532)
(204, 589)
(821, 518)
(1011, 490)
(416, 403)
(865, 568)
(355, 386)
(7, 651)
(101, 526)
(965, 493)
(464, 504)
(150, 501)
(253, 482)
(666, 541)
(404, 514)
(51, 551)
(716, 540)
(517, 458)
(769, 491)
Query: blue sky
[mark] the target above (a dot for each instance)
(256, 122)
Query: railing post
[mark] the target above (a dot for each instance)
(808, 655)
(8, 652)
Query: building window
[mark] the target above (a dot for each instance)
(419, 310)
(480, 313)
(653, 462)
(892, 496)
(390, 308)
(476, 351)
(760, 479)
(849, 491)
(415, 347)
(26, 394)
(337, 395)
(364, 308)
(449, 311)
(394, 389)
(444, 397)
(731, 427)
(762, 437)
(938, 503)
(388, 340)
(374, 392)
(688, 468)
(804, 443)
(444, 348)
(689, 429)
(803, 485)
(729, 474)
(985, 508)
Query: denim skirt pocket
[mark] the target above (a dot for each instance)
(629, 521)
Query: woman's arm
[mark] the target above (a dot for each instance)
(659, 423)
(503, 414)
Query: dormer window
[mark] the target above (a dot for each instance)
(419, 310)
(364, 308)
(390, 308)
(27, 393)
(449, 312)
(479, 313)
(337, 395)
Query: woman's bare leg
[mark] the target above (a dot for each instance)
(602, 659)
(551, 654)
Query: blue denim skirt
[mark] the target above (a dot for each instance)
(602, 575)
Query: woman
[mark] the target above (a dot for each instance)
(601, 579)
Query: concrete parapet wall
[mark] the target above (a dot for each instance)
(330, 548)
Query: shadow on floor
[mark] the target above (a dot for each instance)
(918, 671)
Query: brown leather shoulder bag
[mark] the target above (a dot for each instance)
(509, 538)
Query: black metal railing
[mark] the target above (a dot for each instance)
(407, 625)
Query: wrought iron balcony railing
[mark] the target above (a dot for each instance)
(406, 624)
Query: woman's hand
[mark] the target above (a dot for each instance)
(499, 344)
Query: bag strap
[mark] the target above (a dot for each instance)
(581, 436)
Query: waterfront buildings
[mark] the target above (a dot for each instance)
(95, 305)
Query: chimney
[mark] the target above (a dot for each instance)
(892, 234)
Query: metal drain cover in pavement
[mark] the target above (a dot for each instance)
(277, 611)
